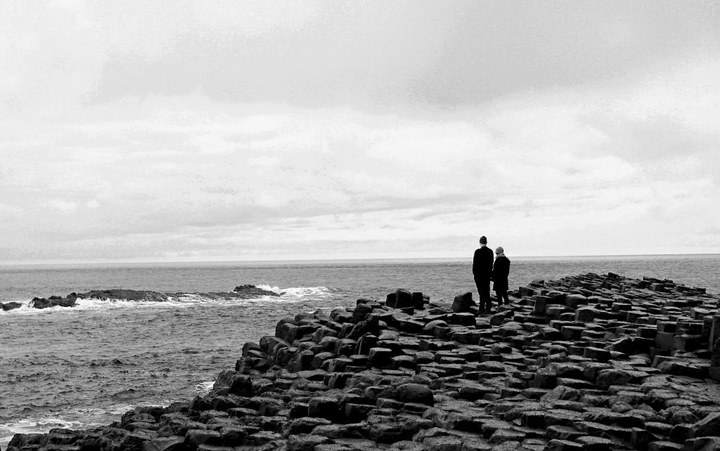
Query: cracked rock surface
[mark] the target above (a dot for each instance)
(582, 363)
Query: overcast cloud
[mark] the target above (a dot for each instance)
(283, 130)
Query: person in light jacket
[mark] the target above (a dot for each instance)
(501, 270)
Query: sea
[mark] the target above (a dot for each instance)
(84, 366)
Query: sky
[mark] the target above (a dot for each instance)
(267, 130)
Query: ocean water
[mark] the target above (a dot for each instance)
(86, 365)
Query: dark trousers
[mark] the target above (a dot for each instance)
(502, 297)
(483, 287)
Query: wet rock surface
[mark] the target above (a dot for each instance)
(54, 301)
(9, 305)
(583, 363)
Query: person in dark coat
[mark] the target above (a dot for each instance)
(501, 270)
(482, 272)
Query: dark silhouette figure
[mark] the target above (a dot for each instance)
(500, 273)
(482, 273)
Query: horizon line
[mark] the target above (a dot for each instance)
(322, 260)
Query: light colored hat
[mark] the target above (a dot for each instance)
(499, 250)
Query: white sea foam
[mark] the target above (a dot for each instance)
(26, 309)
(82, 304)
(93, 418)
(203, 388)
(286, 295)
(117, 409)
(292, 294)
(35, 425)
(269, 288)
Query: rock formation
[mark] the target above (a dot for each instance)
(54, 301)
(71, 299)
(240, 292)
(129, 295)
(10, 305)
(252, 290)
(583, 363)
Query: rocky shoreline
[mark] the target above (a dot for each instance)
(240, 292)
(590, 362)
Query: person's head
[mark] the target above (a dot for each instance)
(499, 250)
(483, 240)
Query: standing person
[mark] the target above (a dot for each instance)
(500, 272)
(482, 272)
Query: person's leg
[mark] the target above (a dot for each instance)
(481, 305)
(488, 299)
(505, 297)
(498, 298)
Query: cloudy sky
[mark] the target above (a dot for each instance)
(172, 131)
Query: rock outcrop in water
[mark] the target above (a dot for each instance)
(9, 306)
(240, 292)
(584, 363)
(54, 301)
(71, 299)
(252, 290)
(128, 295)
